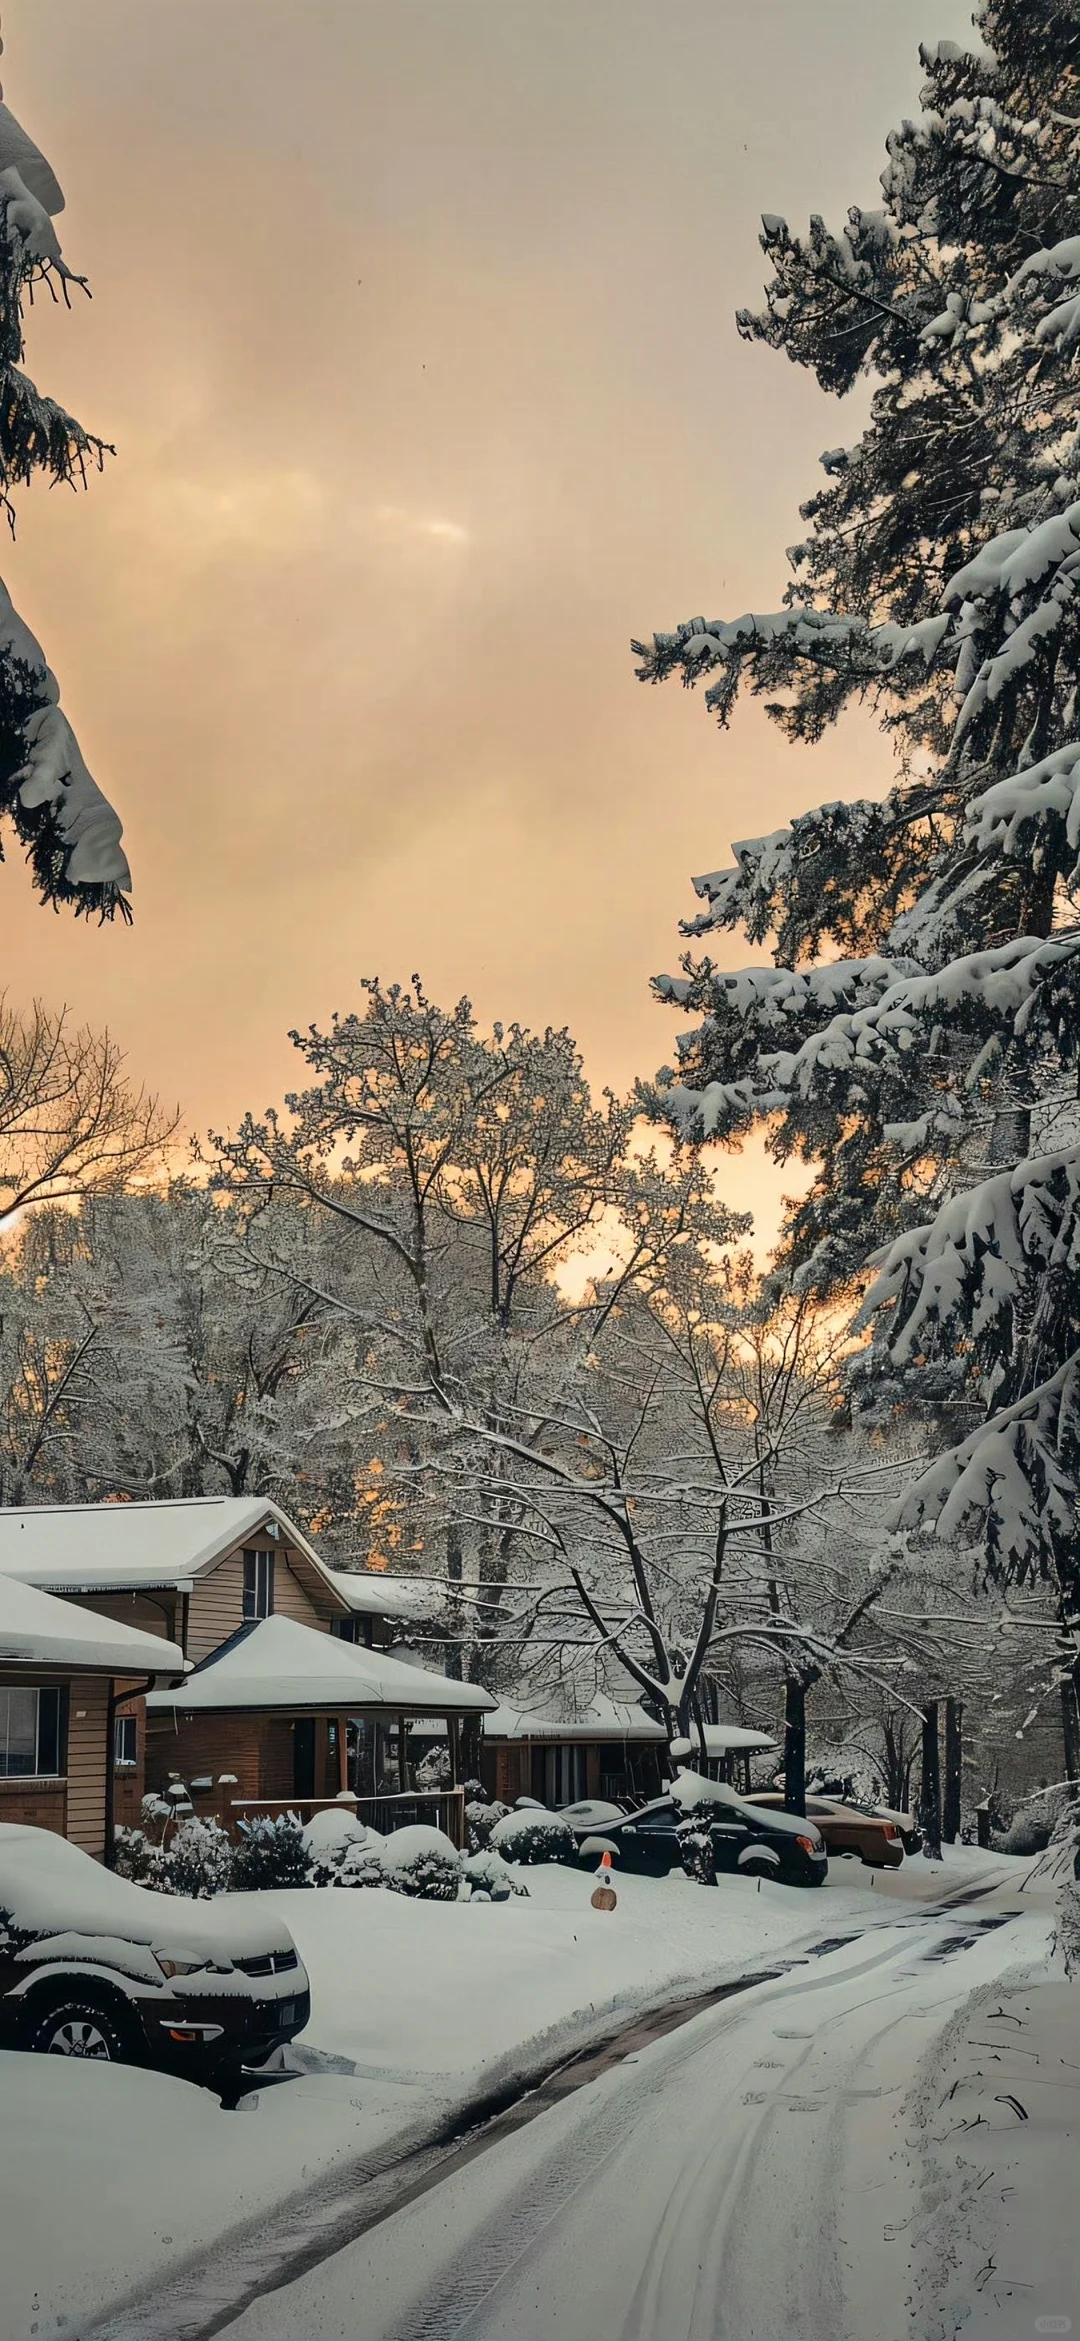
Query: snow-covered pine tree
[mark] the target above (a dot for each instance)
(929, 1070)
(70, 830)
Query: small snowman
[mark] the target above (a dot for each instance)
(604, 1896)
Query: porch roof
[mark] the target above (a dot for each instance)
(278, 1663)
(602, 1719)
(721, 1739)
(37, 1630)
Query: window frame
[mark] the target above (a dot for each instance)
(125, 1726)
(50, 1731)
(258, 1585)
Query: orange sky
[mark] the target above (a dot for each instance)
(412, 325)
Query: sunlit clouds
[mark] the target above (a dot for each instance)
(413, 329)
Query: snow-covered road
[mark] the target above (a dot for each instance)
(756, 2175)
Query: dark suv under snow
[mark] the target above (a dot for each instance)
(94, 1966)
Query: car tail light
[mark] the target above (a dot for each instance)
(889, 1831)
(809, 1844)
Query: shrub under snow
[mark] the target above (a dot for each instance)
(534, 1835)
(422, 1861)
(136, 1857)
(198, 1860)
(486, 1877)
(480, 1819)
(271, 1853)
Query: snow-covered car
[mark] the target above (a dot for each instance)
(745, 1839)
(905, 1824)
(590, 1814)
(846, 1828)
(92, 1965)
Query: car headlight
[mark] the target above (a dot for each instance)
(171, 1967)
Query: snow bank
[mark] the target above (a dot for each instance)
(455, 2001)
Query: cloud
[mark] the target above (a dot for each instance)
(394, 518)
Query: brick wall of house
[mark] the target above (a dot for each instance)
(258, 1749)
(35, 1804)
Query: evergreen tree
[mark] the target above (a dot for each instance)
(929, 1069)
(70, 830)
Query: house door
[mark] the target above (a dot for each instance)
(303, 1759)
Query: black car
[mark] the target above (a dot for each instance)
(747, 1839)
(94, 1966)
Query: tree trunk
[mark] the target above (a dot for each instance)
(1070, 1722)
(892, 1739)
(954, 1757)
(471, 1737)
(930, 1788)
(1010, 1136)
(453, 1660)
(795, 1746)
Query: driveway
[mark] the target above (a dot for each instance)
(762, 2172)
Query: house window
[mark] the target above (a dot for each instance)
(30, 1733)
(258, 1585)
(126, 1744)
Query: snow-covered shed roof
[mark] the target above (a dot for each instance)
(279, 1663)
(372, 1593)
(120, 1548)
(721, 1739)
(600, 1719)
(37, 1630)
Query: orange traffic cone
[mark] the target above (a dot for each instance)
(604, 1896)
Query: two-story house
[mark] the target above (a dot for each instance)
(292, 1697)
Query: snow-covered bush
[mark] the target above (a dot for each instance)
(332, 1829)
(1028, 1832)
(341, 1850)
(696, 1799)
(353, 1865)
(697, 1848)
(136, 1857)
(271, 1853)
(534, 1835)
(198, 1861)
(1033, 1823)
(486, 1877)
(422, 1861)
(480, 1819)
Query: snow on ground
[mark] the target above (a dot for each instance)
(999, 2243)
(770, 2169)
(108, 2175)
(467, 1993)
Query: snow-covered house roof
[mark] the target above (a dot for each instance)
(37, 1630)
(122, 1548)
(600, 1718)
(721, 1739)
(278, 1663)
(372, 1593)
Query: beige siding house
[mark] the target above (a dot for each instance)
(207, 1573)
(60, 1666)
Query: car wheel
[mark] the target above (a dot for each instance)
(82, 2027)
(758, 1866)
